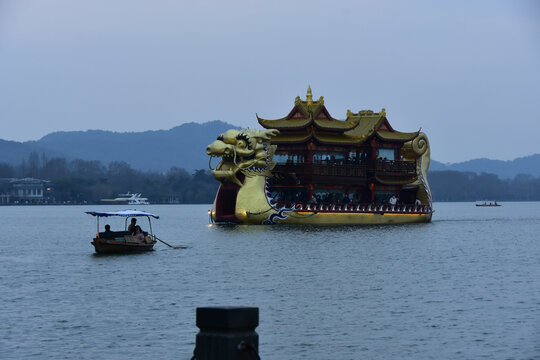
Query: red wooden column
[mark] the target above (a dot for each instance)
(310, 161)
(374, 162)
(399, 159)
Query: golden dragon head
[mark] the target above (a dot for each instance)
(245, 151)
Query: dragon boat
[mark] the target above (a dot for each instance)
(310, 168)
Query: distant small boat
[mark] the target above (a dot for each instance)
(123, 241)
(129, 199)
(487, 203)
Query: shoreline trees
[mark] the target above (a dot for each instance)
(82, 181)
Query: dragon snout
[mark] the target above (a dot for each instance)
(219, 148)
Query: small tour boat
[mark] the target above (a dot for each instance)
(487, 203)
(123, 241)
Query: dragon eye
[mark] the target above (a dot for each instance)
(241, 144)
(220, 137)
(242, 141)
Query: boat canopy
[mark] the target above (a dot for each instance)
(122, 213)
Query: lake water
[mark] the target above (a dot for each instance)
(466, 286)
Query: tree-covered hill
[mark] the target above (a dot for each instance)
(469, 186)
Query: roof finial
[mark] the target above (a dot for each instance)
(309, 96)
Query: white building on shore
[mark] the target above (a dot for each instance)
(25, 191)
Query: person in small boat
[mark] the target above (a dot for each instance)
(135, 229)
(108, 232)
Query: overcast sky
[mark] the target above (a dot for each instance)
(467, 72)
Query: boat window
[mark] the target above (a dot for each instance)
(383, 196)
(288, 196)
(329, 157)
(331, 196)
(387, 154)
(282, 157)
(357, 196)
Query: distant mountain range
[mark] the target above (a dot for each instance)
(529, 165)
(184, 146)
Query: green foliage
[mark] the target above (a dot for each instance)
(468, 186)
(80, 181)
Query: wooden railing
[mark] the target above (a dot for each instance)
(379, 167)
(395, 167)
(363, 208)
(347, 170)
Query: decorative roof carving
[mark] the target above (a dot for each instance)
(316, 114)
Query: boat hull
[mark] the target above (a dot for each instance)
(307, 218)
(313, 218)
(251, 206)
(114, 246)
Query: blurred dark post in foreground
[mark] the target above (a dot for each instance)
(227, 333)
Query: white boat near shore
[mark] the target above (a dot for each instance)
(128, 198)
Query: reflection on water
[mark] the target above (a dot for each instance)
(464, 286)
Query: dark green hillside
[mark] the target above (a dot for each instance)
(468, 186)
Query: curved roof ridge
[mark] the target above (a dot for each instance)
(334, 124)
(291, 138)
(367, 123)
(338, 138)
(395, 135)
(284, 123)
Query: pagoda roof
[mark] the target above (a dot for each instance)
(306, 113)
(284, 123)
(333, 124)
(336, 138)
(292, 138)
(322, 137)
(397, 135)
(310, 120)
(368, 122)
(372, 123)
